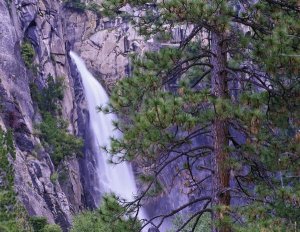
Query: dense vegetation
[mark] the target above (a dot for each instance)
(48, 99)
(232, 82)
(28, 53)
(40, 224)
(52, 228)
(12, 215)
(82, 7)
(57, 140)
(203, 225)
(53, 130)
(75, 4)
(105, 219)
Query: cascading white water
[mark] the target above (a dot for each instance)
(118, 179)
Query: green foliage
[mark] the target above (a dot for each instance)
(149, 131)
(258, 219)
(81, 7)
(52, 228)
(59, 143)
(12, 214)
(111, 217)
(54, 177)
(201, 225)
(75, 4)
(53, 131)
(28, 53)
(48, 99)
(256, 59)
(94, 7)
(63, 175)
(38, 223)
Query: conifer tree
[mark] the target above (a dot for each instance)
(236, 72)
(110, 217)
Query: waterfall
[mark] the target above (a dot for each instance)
(119, 178)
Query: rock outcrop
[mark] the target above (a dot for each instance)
(103, 44)
(38, 22)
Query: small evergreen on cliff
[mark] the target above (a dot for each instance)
(232, 82)
(53, 129)
(13, 217)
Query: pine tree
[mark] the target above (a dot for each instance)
(111, 217)
(13, 216)
(237, 71)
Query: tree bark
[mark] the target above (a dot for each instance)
(221, 177)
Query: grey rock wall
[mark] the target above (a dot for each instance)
(38, 22)
(103, 44)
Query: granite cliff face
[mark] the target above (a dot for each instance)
(39, 23)
(103, 44)
(53, 30)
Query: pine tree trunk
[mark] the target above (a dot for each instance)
(220, 131)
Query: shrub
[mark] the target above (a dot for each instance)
(94, 7)
(57, 140)
(54, 177)
(38, 223)
(4, 228)
(48, 99)
(75, 4)
(63, 175)
(88, 222)
(52, 228)
(13, 217)
(53, 132)
(81, 7)
(202, 225)
(109, 218)
(28, 53)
